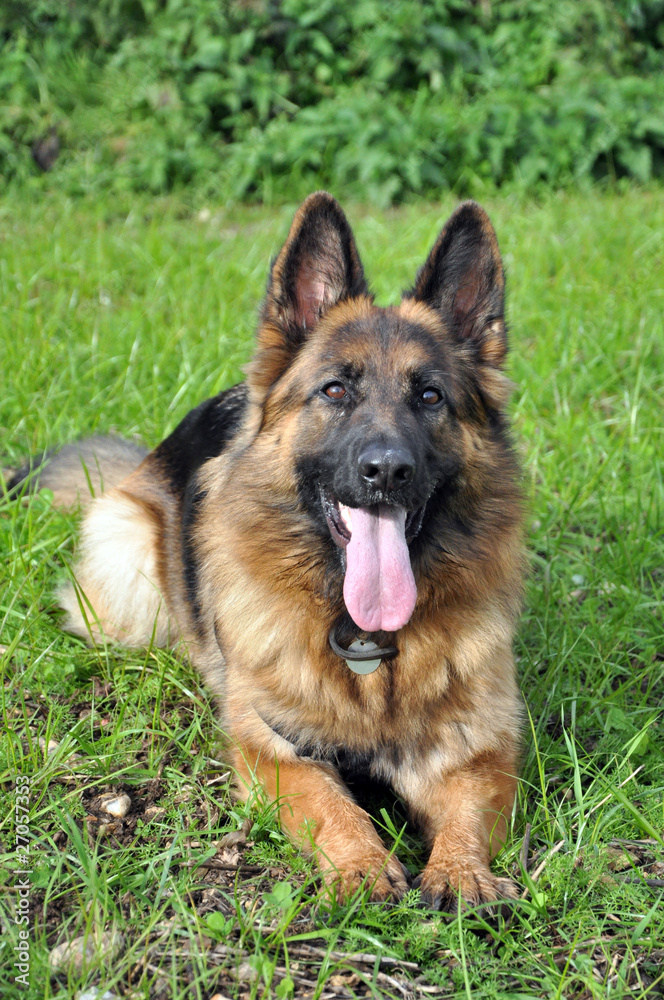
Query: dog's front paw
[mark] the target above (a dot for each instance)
(441, 885)
(376, 871)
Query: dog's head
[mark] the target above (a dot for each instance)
(380, 409)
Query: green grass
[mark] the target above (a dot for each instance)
(121, 315)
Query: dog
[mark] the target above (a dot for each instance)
(337, 544)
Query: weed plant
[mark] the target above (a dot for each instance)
(265, 101)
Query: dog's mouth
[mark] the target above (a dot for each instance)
(379, 586)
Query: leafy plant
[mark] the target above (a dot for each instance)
(266, 99)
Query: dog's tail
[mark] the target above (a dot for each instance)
(79, 471)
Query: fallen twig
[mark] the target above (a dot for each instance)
(523, 857)
(589, 942)
(619, 841)
(215, 781)
(221, 866)
(305, 950)
(407, 988)
(656, 883)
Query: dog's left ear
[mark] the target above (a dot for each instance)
(463, 279)
(317, 267)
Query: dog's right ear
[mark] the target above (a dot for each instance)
(317, 267)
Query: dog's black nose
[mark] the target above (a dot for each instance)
(386, 469)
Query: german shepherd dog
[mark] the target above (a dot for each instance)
(337, 543)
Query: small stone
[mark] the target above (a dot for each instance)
(49, 747)
(212, 898)
(153, 813)
(116, 805)
(165, 927)
(232, 839)
(108, 829)
(185, 794)
(344, 979)
(104, 946)
(246, 973)
(101, 689)
(159, 988)
(619, 859)
(228, 856)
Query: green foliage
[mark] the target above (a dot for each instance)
(265, 99)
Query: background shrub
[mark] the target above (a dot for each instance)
(381, 99)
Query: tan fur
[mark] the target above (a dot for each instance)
(118, 591)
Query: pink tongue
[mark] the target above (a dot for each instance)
(379, 587)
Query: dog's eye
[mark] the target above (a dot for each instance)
(431, 396)
(334, 390)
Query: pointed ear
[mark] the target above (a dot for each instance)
(317, 267)
(463, 279)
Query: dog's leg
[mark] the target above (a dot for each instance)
(464, 817)
(317, 811)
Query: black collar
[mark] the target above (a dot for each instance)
(387, 653)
